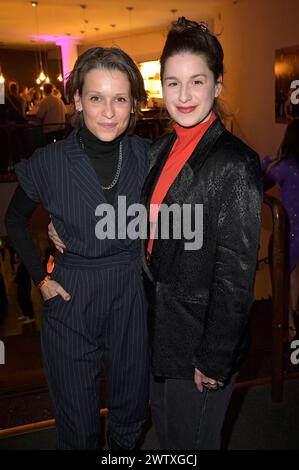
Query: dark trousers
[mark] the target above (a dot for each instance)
(106, 319)
(25, 303)
(185, 418)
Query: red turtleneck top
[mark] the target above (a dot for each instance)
(186, 141)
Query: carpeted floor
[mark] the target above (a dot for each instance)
(253, 422)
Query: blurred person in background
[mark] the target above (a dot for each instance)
(3, 296)
(23, 281)
(51, 114)
(283, 170)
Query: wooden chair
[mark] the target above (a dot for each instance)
(279, 291)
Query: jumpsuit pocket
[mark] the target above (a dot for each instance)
(55, 298)
(52, 300)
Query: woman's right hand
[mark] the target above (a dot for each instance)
(53, 235)
(51, 289)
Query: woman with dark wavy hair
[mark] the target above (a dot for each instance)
(200, 297)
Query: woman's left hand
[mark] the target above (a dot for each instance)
(53, 289)
(53, 235)
(201, 380)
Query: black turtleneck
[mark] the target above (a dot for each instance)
(103, 157)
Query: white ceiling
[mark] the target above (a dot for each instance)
(55, 18)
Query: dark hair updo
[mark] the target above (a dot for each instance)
(190, 36)
(108, 58)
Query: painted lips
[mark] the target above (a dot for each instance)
(186, 109)
(107, 125)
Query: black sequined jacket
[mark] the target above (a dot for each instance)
(200, 299)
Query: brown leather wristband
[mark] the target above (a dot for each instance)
(46, 279)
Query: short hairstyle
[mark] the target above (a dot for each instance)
(13, 87)
(108, 59)
(48, 87)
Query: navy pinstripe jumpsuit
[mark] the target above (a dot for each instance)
(106, 316)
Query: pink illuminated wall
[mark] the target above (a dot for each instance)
(69, 53)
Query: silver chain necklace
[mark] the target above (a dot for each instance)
(119, 163)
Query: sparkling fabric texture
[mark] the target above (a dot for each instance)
(285, 174)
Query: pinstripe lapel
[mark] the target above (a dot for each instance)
(86, 179)
(83, 173)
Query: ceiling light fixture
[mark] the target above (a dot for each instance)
(2, 79)
(83, 7)
(59, 76)
(130, 9)
(173, 11)
(42, 77)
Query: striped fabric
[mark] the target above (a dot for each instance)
(106, 316)
(105, 319)
(61, 177)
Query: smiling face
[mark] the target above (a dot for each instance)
(106, 103)
(189, 88)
